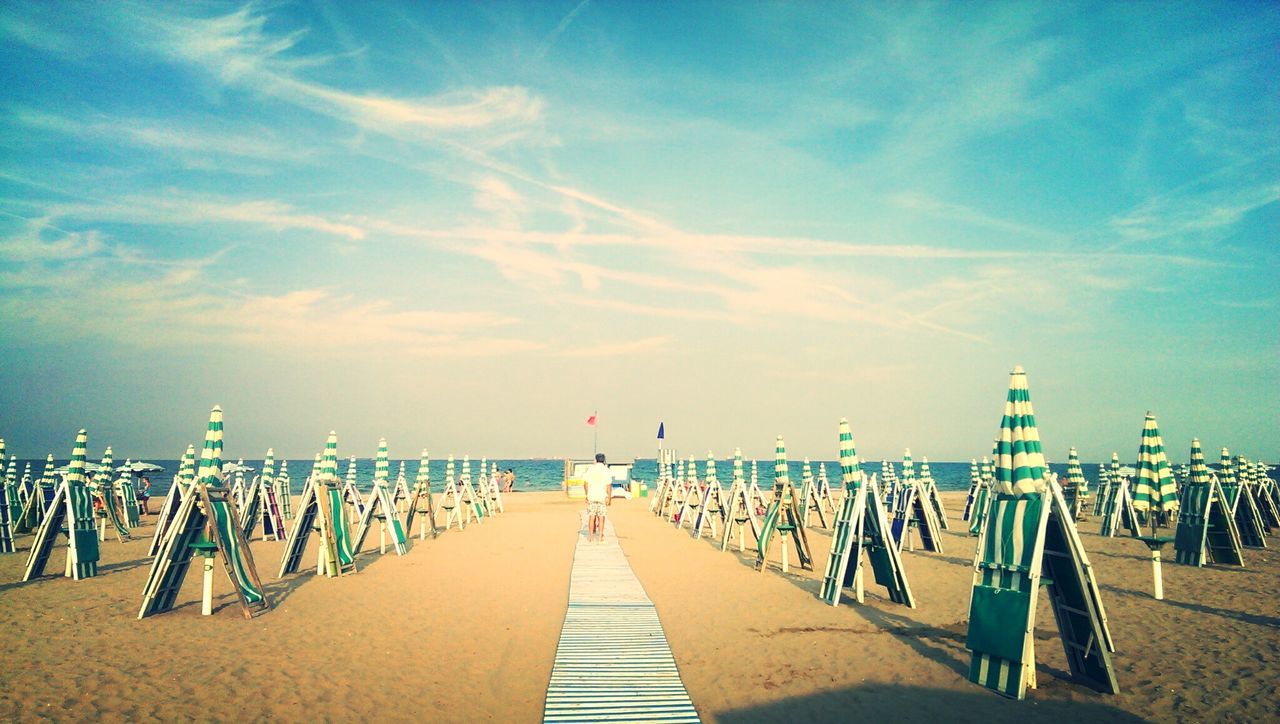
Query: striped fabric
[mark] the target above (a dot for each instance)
(210, 470)
(381, 466)
(1075, 475)
(1154, 490)
(239, 560)
(1009, 553)
(612, 662)
(269, 469)
(283, 494)
(1019, 464)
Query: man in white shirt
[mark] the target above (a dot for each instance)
(598, 481)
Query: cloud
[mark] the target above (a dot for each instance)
(179, 209)
(618, 349)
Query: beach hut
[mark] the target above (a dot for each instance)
(420, 501)
(178, 489)
(283, 492)
(1206, 531)
(72, 507)
(206, 524)
(712, 507)
(321, 508)
(740, 508)
(383, 508)
(1155, 496)
(862, 526)
(783, 516)
(1029, 540)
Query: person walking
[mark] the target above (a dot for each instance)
(598, 481)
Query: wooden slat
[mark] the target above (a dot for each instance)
(613, 663)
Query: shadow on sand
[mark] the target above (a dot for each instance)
(894, 703)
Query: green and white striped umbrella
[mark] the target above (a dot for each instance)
(102, 480)
(806, 475)
(46, 480)
(424, 469)
(1154, 489)
(75, 469)
(975, 478)
(738, 475)
(269, 467)
(11, 475)
(329, 461)
(926, 475)
(283, 492)
(692, 470)
(1020, 466)
(1075, 474)
(1226, 471)
(210, 470)
(755, 474)
(351, 471)
(780, 471)
(988, 472)
(824, 484)
(1244, 472)
(1115, 468)
(712, 478)
(381, 467)
(449, 471)
(466, 468)
(1198, 473)
(187, 468)
(850, 470)
(908, 470)
(680, 470)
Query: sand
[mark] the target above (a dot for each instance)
(464, 628)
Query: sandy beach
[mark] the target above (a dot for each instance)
(464, 628)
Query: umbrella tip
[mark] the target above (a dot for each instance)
(1017, 370)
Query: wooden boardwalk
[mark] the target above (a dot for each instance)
(613, 663)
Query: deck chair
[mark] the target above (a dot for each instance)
(740, 513)
(862, 525)
(711, 510)
(320, 509)
(1030, 540)
(1207, 532)
(783, 516)
(1119, 511)
(420, 502)
(381, 506)
(208, 524)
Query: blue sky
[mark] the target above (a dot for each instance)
(467, 226)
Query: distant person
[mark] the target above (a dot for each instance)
(508, 480)
(598, 480)
(143, 493)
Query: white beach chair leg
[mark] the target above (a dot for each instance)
(857, 584)
(1155, 572)
(382, 538)
(206, 603)
(742, 538)
(784, 554)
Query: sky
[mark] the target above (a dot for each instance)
(469, 226)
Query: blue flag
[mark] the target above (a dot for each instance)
(661, 433)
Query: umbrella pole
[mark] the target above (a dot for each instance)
(206, 603)
(1155, 571)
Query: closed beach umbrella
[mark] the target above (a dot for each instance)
(1155, 492)
(1020, 466)
(738, 476)
(269, 467)
(210, 470)
(187, 467)
(850, 472)
(351, 471)
(1075, 475)
(329, 461)
(712, 478)
(381, 467)
(424, 469)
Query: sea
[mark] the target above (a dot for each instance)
(548, 474)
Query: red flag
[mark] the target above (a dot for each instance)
(591, 420)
